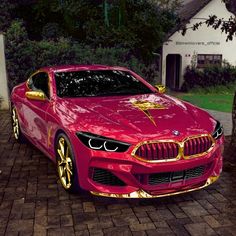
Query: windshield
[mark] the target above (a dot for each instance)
(92, 83)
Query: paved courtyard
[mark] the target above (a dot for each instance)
(225, 118)
(32, 202)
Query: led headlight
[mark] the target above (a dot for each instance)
(101, 143)
(218, 132)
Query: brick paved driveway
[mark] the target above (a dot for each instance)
(32, 202)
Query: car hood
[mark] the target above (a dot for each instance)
(132, 118)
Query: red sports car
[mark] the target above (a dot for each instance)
(113, 134)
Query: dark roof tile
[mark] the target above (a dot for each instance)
(190, 9)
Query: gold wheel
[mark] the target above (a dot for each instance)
(64, 163)
(15, 124)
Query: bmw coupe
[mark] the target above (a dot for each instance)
(113, 134)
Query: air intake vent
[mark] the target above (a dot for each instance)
(105, 177)
(168, 177)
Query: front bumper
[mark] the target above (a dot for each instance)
(142, 194)
(126, 168)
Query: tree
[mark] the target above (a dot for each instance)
(140, 26)
(227, 26)
(5, 14)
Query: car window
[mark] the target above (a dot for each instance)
(39, 82)
(91, 83)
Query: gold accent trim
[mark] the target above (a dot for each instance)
(142, 194)
(36, 95)
(181, 149)
(147, 113)
(144, 106)
(160, 88)
(49, 136)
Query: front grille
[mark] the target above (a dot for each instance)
(167, 150)
(105, 177)
(158, 151)
(197, 145)
(168, 177)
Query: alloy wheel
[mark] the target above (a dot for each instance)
(64, 163)
(15, 124)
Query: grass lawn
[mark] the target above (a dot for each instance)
(219, 98)
(218, 102)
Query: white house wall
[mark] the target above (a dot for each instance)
(4, 96)
(202, 41)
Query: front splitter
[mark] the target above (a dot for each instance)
(142, 194)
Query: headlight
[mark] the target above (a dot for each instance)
(101, 143)
(218, 132)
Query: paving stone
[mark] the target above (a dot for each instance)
(20, 225)
(100, 225)
(40, 223)
(82, 233)
(141, 227)
(144, 208)
(144, 220)
(96, 232)
(88, 207)
(85, 218)
(161, 224)
(53, 221)
(5, 209)
(61, 231)
(223, 231)
(194, 210)
(224, 219)
(210, 220)
(176, 211)
(11, 233)
(80, 227)
(199, 229)
(122, 220)
(159, 215)
(28, 211)
(160, 231)
(118, 206)
(66, 220)
(177, 226)
(117, 231)
(33, 202)
(139, 233)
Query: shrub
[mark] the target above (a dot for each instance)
(24, 56)
(209, 76)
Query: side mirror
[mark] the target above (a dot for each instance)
(36, 95)
(160, 88)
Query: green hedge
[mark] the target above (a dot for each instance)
(24, 56)
(207, 77)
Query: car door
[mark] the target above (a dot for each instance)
(35, 110)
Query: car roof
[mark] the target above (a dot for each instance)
(64, 68)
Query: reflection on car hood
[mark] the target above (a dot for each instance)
(138, 117)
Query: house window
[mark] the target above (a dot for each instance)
(204, 60)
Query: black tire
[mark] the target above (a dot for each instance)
(66, 165)
(19, 137)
